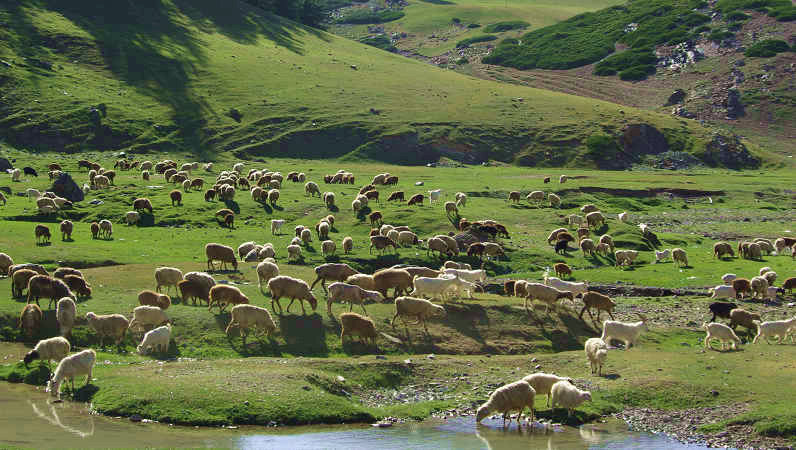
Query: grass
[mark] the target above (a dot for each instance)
(474, 40)
(767, 48)
(506, 26)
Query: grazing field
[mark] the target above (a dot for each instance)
(291, 377)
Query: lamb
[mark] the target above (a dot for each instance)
(65, 314)
(546, 294)
(777, 328)
(577, 288)
(71, 366)
(222, 295)
(596, 353)
(42, 234)
(722, 333)
(625, 257)
(722, 309)
(348, 244)
(679, 257)
(328, 247)
(332, 271)
(744, 318)
(293, 288)
(151, 298)
(354, 324)
(398, 279)
(167, 276)
(45, 286)
(722, 248)
(543, 383)
(56, 349)
(598, 301)
(19, 281)
(113, 326)
(728, 277)
(222, 253)
(244, 317)
(759, 286)
(78, 285)
(660, 256)
(565, 395)
(380, 243)
(276, 225)
(514, 396)
(627, 332)
(199, 286)
(742, 286)
(343, 292)
(156, 340)
(146, 316)
(293, 251)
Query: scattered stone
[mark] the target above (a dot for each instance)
(136, 418)
(419, 183)
(676, 97)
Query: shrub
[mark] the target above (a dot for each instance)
(625, 60)
(601, 147)
(469, 41)
(456, 20)
(767, 48)
(736, 16)
(636, 73)
(365, 15)
(474, 25)
(604, 71)
(506, 26)
(695, 19)
(702, 29)
(784, 14)
(718, 36)
(381, 41)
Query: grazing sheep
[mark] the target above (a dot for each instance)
(48, 287)
(554, 200)
(661, 255)
(343, 292)
(276, 225)
(436, 244)
(381, 243)
(55, 349)
(167, 276)
(71, 366)
(293, 251)
(546, 294)
(210, 194)
(627, 332)
(244, 317)
(754, 251)
(543, 383)
(5, 263)
(42, 234)
(514, 196)
(151, 298)
(222, 295)
(508, 287)
(20, 279)
(292, 288)
(789, 284)
(142, 203)
(245, 248)
(66, 230)
(722, 248)
(587, 246)
(514, 396)
(722, 309)
(535, 196)
(328, 199)
(722, 333)
(30, 320)
(455, 265)
(553, 236)
(221, 253)
(623, 217)
(38, 268)
(603, 248)
(779, 329)
(353, 324)
(149, 316)
(132, 217)
(625, 257)
(594, 219)
(420, 309)
(566, 395)
(265, 272)
(583, 232)
(397, 279)
(396, 196)
(588, 208)
(416, 199)
(332, 271)
(16, 175)
(273, 196)
(113, 326)
(77, 285)
(323, 230)
(742, 286)
(176, 197)
(679, 257)
(595, 300)
(362, 280)
(156, 340)
(771, 277)
(759, 286)
(199, 287)
(306, 236)
(728, 277)
(596, 353)
(328, 247)
(106, 229)
(744, 318)
(65, 314)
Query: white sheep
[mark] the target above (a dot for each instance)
(348, 244)
(566, 395)
(759, 287)
(728, 277)
(434, 195)
(328, 248)
(71, 366)
(294, 251)
(596, 352)
(156, 340)
(514, 396)
(343, 292)
(276, 225)
(543, 383)
(779, 329)
(722, 333)
(16, 175)
(245, 317)
(167, 276)
(627, 332)
(535, 196)
(265, 271)
(110, 325)
(722, 291)
(660, 256)
(571, 286)
(132, 217)
(432, 287)
(623, 217)
(65, 314)
(419, 308)
(54, 349)
(144, 316)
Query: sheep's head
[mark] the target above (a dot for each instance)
(482, 412)
(30, 356)
(312, 301)
(585, 395)
(438, 311)
(375, 296)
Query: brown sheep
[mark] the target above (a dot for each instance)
(333, 272)
(476, 249)
(744, 318)
(142, 203)
(599, 301)
(562, 270)
(354, 324)
(546, 179)
(66, 230)
(222, 295)
(392, 179)
(366, 188)
(95, 229)
(48, 287)
(176, 197)
(42, 234)
(30, 320)
(152, 298)
(210, 194)
(78, 285)
(381, 243)
(514, 196)
(375, 218)
(19, 281)
(396, 196)
(189, 290)
(508, 287)
(416, 199)
(229, 221)
(742, 286)
(789, 284)
(397, 279)
(223, 212)
(372, 195)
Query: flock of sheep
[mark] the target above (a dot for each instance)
(412, 286)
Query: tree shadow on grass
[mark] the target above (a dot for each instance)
(304, 335)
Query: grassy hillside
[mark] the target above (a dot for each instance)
(206, 77)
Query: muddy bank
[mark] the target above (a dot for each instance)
(642, 193)
(619, 290)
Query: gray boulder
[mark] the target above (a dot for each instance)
(64, 186)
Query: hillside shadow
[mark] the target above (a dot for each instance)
(438, 2)
(304, 335)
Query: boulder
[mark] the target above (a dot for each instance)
(64, 186)
(733, 104)
(5, 165)
(642, 139)
(677, 97)
(729, 151)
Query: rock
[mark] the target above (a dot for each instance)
(740, 63)
(136, 418)
(340, 379)
(714, 393)
(431, 356)
(5, 165)
(419, 183)
(306, 388)
(533, 360)
(676, 97)
(64, 186)
(537, 367)
(733, 104)
(381, 357)
(354, 66)
(730, 152)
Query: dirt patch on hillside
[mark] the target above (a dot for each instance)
(645, 193)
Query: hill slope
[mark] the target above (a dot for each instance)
(207, 77)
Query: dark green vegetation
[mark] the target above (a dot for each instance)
(782, 10)
(506, 26)
(474, 40)
(642, 58)
(381, 41)
(366, 15)
(767, 48)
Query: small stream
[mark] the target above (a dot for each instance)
(31, 419)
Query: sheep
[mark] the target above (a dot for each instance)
(588, 208)
(328, 247)
(210, 194)
(625, 257)
(419, 308)
(151, 298)
(789, 284)
(265, 271)
(176, 197)
(293, 288)
(42, 234)
(30, 320)
(156, 340)
(595, 218)
(328, 199)
(71, 366)
(453, 246)
(221, 253)
(407, 238)
(245, 248)
(5, 263)
(508, 287)
(381, 243)
(294, 251)
(514, 396)
(65, 314)
(273, 196)
(46, 286)
(583, 232)
(744, 318)
(323, 230)
(742, 286)
(386, 279)
(146, 316)
(722, 333)
(16, 175)
(141, 204)
(514, 196)
(196, 285)
(542, 383)
(779, 245)
(759, 286)
(679, 257)
(244, 317)
(554, 200)
(603, 248)
(396, 196)
(433, 287)
(493, 249)
(434, 195)
(342, 292)
(722, 248)
(587, 246)
(455, 265)
(473, 276)
(46, 205)
(354, 324)
(577, 288)
(113, 326)
(306, 236)
(623, 217)
(416, 199)
(186, 185)
(520, 288)
(19, 281)
(754, 251)
(38, 268)
(55, 349)
(348, 244)
(436, 244)
(332, 271)
(66, 230)
(596, 353)
(777, 328)
(222, 295)
(661, 255)
(167, 276)
(546, 294)
(106, 229)
(32, 194)
(722, 309)
(421, 271)
(77, 285)
(276, 225)
(597, 301)
(535, 196)
(765, 246)
(566, 395)
(553, 236)
(132, 217)
(771, 277)
(627, 332)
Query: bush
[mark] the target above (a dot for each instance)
(625, 60)
(601, 147)
(456, 20)
(767, 48)
(381, 41)
(469, 41)
(695, 19)
(784, 14)
(718, 36)
(702, 29)
(604, 71)
(506, 26)
(736, 16)
(636, 73)
(474, 25)
(366, 16)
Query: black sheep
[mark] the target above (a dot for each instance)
(721, 309)
(30, 171)
(561, 246)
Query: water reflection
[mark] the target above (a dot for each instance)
(45, 410)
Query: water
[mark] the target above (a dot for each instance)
(31, 419)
